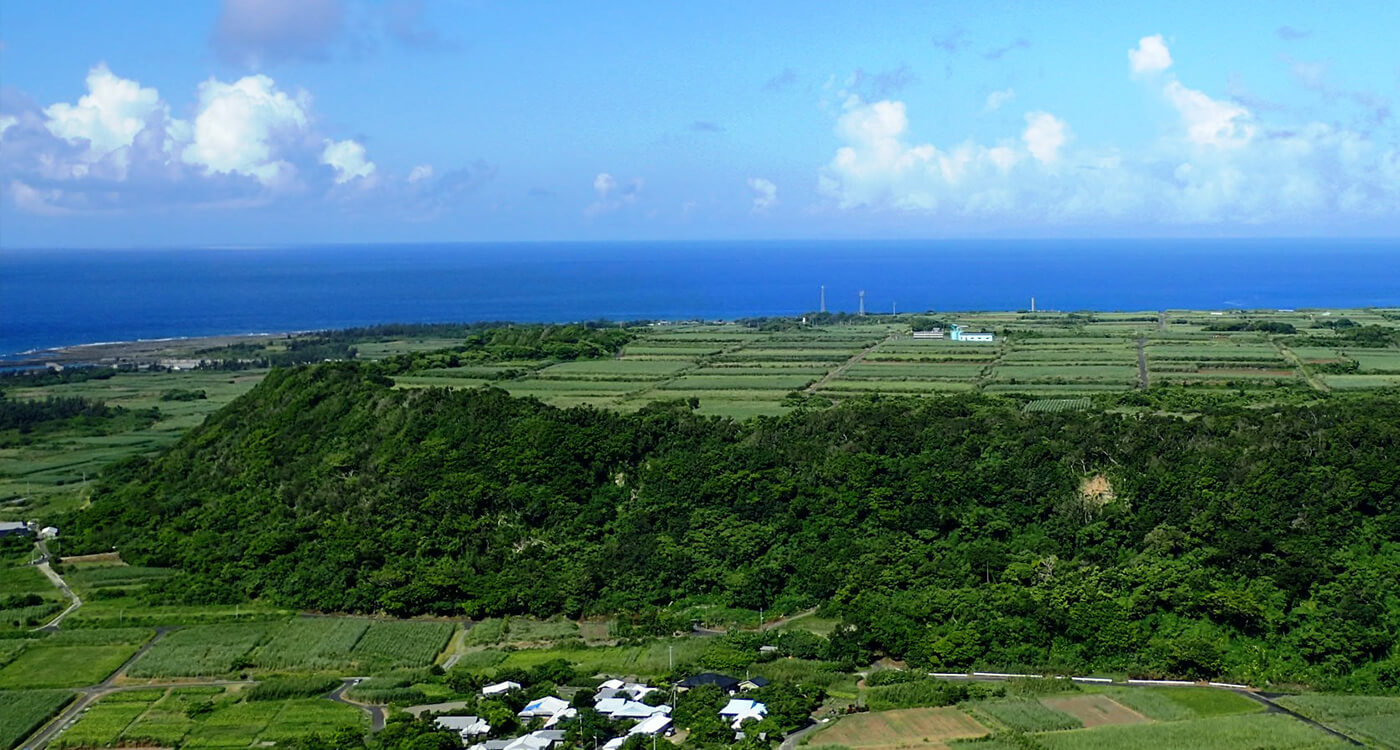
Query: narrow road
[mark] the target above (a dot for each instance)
(1142, 362)
(791, 741)
(841, 368)
(376, 712)
(1292, 358)
(781, 621)
(57, 580)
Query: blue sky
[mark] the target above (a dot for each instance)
(265, 122)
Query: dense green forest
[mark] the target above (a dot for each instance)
(1257, 543)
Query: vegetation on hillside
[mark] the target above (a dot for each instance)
(1262, 544)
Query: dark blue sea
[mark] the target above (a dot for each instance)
(51, 298)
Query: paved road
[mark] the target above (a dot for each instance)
(376, 712)
(791, 741)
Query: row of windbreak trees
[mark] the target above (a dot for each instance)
(1259, 544)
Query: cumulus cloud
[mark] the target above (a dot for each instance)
(238, 125)
(611, 195)
(1044, 135)
(765, 194)
(1210, 122)
(997, 99)
(348, 160)
(420, 173)
(1217, 161)
(118, 148)
(257, 32)
(1150, 56)
(109, 116)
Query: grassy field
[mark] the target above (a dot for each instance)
(22, 712)
(1027, 715)
(50, 475)
(203, 718)
(201, 650)
(44, 665)
(1249, 732)
(1367, 718)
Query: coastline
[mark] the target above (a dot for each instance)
(135, 351)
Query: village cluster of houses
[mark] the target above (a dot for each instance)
(615, 699)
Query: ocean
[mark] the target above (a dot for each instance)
(52, 298)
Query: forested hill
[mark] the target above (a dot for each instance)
(1256, 543)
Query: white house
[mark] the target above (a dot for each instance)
(656, 724)
(621, 708)
(500, 688)
(466, 726)
(48, 532)
(541, 740)
(543, 707)
(740, 710)
(979, 337)
(568, 713)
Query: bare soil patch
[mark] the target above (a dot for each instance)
(908, 727)
(1095, 710)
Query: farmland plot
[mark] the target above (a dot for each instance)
(311, 643)
(23, 711)
(402, 644)
(201, 650)
(1249, 732)
(909, 727)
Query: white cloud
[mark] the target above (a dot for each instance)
(765, 194)
(420, 173)
(108, 117)
(348, 160)
(612, 195)
(1210, 122)
(997, 99)
(1217, 162)
(1044, 135)
(1150, 56)
(878, 168)
(7, 122)
(238, 123)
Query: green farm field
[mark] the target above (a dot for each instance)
(740, 372)
(24, 711)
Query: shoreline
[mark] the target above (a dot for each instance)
(148, 350)
(98, 353)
